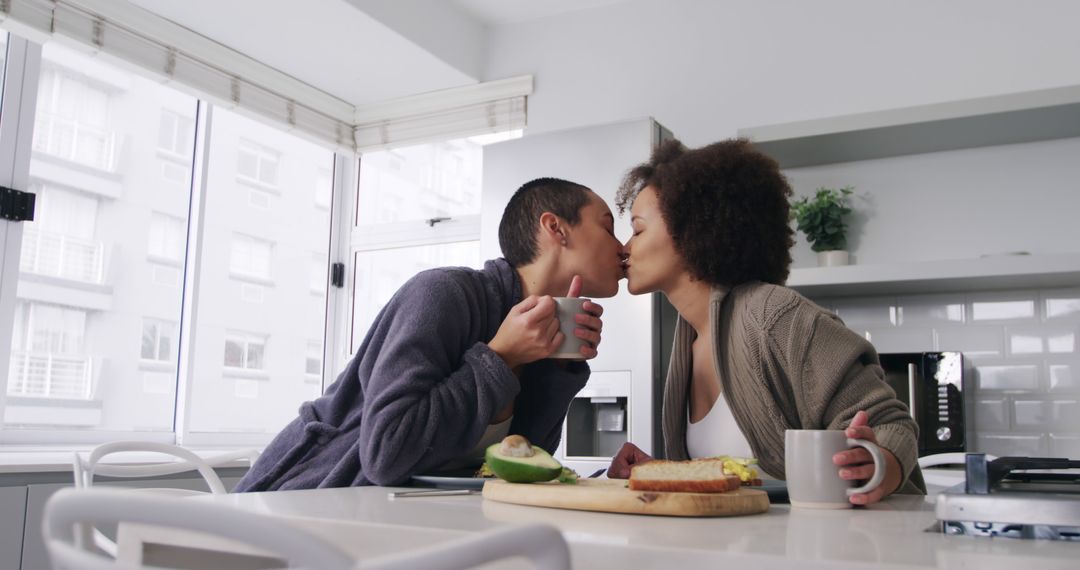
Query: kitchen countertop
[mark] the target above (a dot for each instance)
(891, 534)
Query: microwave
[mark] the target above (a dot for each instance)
(932, 385)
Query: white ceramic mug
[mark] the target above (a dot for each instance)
(566, 308)
(813, 480)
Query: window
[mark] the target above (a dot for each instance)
(417, 207)
(257, 163)
(95, 302)
(176, 134)
(157, 340)
(379, 274)
(245, 351)
(168, 236)
(47, 357)
(250, 257)
(256, 314)
(61, 241)
(72, 121)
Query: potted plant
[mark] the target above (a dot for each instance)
(822, 219)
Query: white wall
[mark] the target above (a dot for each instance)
(704, 68)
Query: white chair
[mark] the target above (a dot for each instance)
(68, 509)
(84, 471)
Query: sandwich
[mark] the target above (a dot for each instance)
(695, 476)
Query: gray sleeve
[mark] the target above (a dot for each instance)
(432, 391)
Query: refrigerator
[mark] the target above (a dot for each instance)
(621, 401)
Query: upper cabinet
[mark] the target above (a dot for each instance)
(986, 121)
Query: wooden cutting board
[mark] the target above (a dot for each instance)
(613, 496)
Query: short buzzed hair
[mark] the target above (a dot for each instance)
(517, 229)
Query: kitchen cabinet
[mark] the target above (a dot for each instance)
(971, 125)
(959, 275)
(985, 121)
(12, 518)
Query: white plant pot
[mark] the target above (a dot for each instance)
(832, 258)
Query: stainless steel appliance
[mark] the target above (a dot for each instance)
(932, 384)
(1006, 498)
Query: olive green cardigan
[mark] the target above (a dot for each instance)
(786, 363)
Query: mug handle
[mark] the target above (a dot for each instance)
(879, 466)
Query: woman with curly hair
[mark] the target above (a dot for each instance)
(751, 358)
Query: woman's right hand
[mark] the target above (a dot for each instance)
(629, 455)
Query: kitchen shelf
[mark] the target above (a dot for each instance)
(986, 121)
(985, 273)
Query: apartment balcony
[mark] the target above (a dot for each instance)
(49, 375)
(70, 140)
(65, 257)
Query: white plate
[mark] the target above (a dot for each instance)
(440, 482)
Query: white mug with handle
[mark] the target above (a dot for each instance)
(813, 480)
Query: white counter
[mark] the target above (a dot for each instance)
(888, 535)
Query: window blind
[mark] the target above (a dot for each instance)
(227, 77)
(491, 107)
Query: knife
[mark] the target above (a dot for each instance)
(432, 493)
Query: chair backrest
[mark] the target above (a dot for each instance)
(85, 469)
(69, 509)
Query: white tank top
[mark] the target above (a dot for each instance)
(716, 433)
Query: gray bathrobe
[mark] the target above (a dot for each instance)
(421, 390)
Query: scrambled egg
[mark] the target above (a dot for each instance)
(740, 466)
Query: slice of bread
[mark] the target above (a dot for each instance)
(695, 476)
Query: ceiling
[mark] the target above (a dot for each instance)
(494, 12)
(363, 51)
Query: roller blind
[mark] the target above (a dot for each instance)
(491, 107)
(225, 76)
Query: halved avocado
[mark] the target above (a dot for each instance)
(541, 466)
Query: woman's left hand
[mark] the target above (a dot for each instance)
(858, 464)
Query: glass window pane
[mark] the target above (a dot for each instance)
(420, 182)
(378, 275)
(257, 384)
(234, 353)
(149, 341)
(90, 299)
(255, 351)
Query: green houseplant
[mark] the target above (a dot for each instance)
(823, 220)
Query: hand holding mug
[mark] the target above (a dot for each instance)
(857, 464)
(813, 480)
(580, 324)
(529, 332)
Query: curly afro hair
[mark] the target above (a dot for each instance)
(725, 206)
